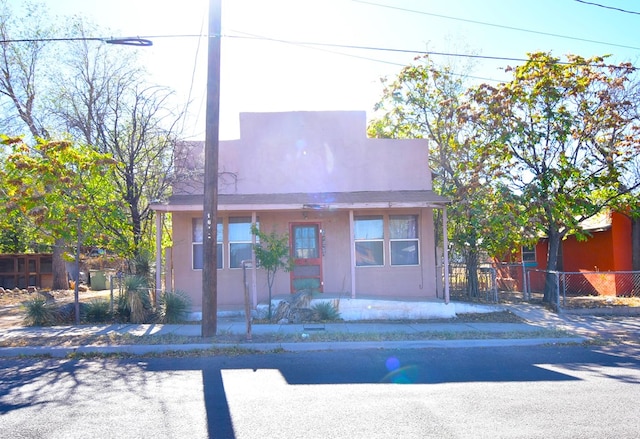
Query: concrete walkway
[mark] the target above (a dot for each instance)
(459, 334)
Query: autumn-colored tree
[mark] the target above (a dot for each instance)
(98, 95)
(61, 188)
(427, 101)
(567, 133)
(107, 103)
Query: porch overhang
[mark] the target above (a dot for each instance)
(325, 201)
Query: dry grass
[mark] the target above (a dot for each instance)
(602, 302)
(12, 314)
(114, 339)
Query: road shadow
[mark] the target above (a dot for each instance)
(27, 382)
(384, 367)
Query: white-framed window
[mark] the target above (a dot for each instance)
(240, 240)
(369, 240)
(528, 253)
(403, 240)
(197, 239)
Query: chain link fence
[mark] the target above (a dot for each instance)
(518, 282)
(565, 285)
(459, 285)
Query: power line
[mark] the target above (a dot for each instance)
(146, 41)
(315, 47)
(193, 75)
(497, 25)
(419, 52)
(608, 7)
(123, 41)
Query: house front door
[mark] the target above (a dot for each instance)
(306, 250)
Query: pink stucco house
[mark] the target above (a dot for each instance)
(358, 211)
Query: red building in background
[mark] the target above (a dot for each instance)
(587, 263)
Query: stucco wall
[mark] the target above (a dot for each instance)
(604, 251)
(312, 152)
(400, 282)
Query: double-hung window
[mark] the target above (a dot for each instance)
(528, 254)
(369, 240)
(403, 237)
(197, 240)
(240, 240)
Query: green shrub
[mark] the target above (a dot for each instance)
(140, 306)
(39, 312)
(97, 311)
(132, 283)
(326, 311)
(122, 310)
(138, 299)
(66, 313)
(143, 265)
(174, 307)
(133, 304)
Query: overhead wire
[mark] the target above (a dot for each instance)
(124, 41)
(146, 41)
(306, 43)
(193, 75)
(549, 34)
(315, 46)
(414, 51)
(613, 8)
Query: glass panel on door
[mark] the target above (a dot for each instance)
(306, 273)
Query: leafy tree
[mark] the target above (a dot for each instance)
(568, 132)
(106, 103)
(61, 188)
(97, 93)
(23, 75)
(427, 101)
(272, 254)
(17, 234)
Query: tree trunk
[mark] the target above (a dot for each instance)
(473, 289)
(60, 281)
(550, 290)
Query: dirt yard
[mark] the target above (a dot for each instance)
(602, 302)
(12, 314)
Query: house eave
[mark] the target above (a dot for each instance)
(294, 207)
(309, 202)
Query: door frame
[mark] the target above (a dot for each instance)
(318, 261)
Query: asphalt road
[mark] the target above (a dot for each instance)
(526, 392)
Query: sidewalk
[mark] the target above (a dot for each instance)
(537, 318)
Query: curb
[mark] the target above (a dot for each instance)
(287, 347)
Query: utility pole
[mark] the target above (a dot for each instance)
(210, 213)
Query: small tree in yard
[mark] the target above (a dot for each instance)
(272, 254)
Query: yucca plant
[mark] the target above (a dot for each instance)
(143, 265)
(133, 304)
(39, 313)
(137, 292)
(326, 311)
(174, 307)
(97, 311)
(122, 310)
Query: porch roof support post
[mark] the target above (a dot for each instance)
(159, 217)
(254, 268)
(352, 254)
(445, 244)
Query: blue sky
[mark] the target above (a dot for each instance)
(263, 75)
